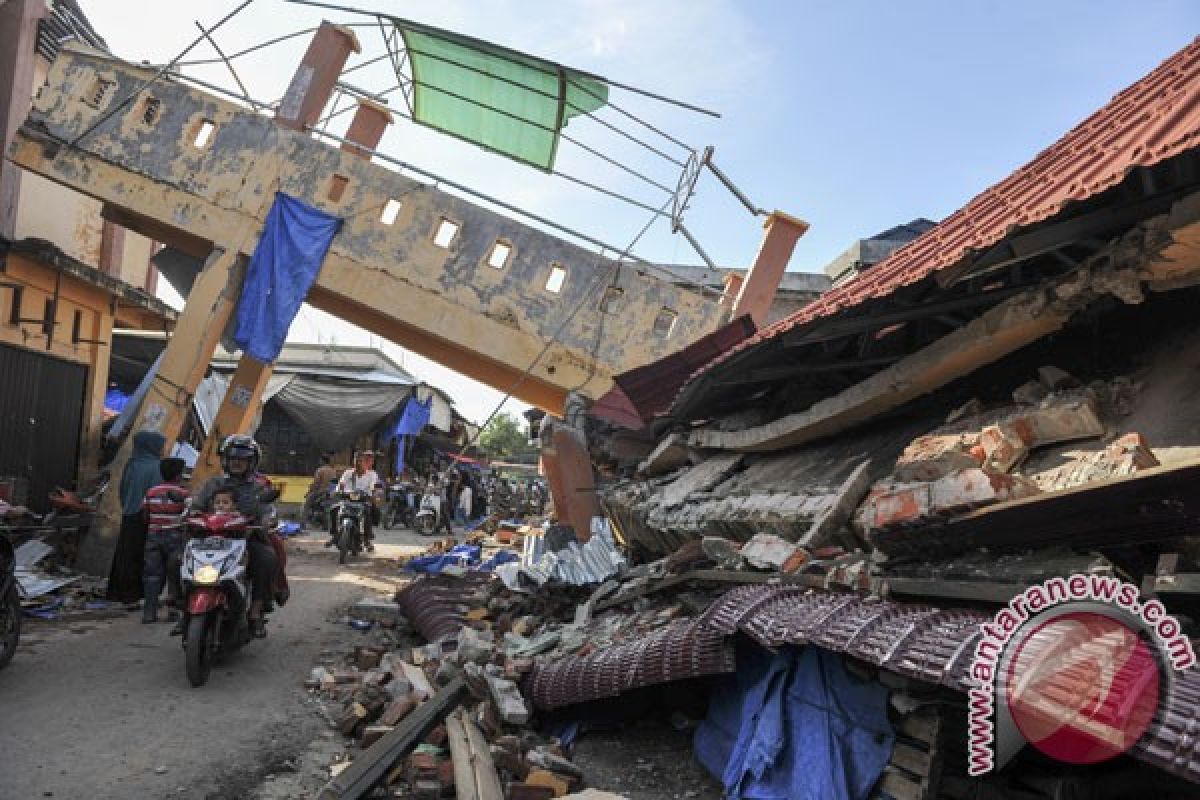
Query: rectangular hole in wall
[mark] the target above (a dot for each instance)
(48, 318)
(204, 133)
(98, 92)
(337, 188)
(77, 327)
(150, 109)
(664, 322)
(611, 301)
(558, 276)
(14, 310)
(498, 258)
(445, 233)
(391, 210)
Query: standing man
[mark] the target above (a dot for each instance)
(361, 478)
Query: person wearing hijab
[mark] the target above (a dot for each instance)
(141, 472)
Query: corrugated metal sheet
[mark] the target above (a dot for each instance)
(1154, 119)
(436, 605)
(651, 388)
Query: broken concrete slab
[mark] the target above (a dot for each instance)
(671, 454)
(509, 702)
(703, 476)
(767, 551)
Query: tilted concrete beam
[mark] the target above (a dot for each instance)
(185, 162)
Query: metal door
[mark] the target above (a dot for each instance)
(41, 418)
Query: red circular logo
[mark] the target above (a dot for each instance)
(1082, 687)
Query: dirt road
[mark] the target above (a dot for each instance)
(102, 710)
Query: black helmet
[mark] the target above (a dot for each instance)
(240, 446)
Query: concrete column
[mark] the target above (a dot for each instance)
(185, 360)
(762, 281)
(733, 287)
(18, 33)
(371, 119)
(315, 78)
(89, 450)
(568, 469)
(238, 414)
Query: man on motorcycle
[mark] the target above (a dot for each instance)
(361, 478)
(239, 459)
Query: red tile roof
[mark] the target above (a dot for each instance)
(642, 392)
(1152, 120)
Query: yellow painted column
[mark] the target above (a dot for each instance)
(210, 304)
(101, 345)
(238, 413)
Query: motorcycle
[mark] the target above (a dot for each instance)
(217, 590)
(352, 512)
(398, 510)
(316, 507)
(10, 603)
(429, 516)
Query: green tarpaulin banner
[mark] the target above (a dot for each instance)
(504, 101)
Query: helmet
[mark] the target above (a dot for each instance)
(240, 446)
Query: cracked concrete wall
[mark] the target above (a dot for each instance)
(445, 302)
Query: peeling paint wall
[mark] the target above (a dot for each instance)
(395, 279)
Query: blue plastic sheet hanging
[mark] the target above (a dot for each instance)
(284, 267)
(795, 725)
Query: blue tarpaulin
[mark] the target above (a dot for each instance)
(115, 400)
(284, 266)
(463, 555)
(794, 725)
(412, 420)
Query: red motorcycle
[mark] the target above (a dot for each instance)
(217, 590)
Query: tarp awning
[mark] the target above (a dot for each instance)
(335, 413)
(505, 101)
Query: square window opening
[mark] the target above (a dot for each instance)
(611, 301)
(664, 323)
(98, 94)
(558, 276)
(498, 258)
(204, 133)
(337, 188)
(151, 107)
(443, 237)
(391, 210)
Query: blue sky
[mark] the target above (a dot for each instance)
(853, 115)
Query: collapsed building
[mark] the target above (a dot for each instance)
(820, 518)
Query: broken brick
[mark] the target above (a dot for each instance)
(542, 777)
(397, 710)
(527, 791)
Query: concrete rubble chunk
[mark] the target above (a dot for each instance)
(474, 646)
(699, 478)
(933, 456)
(890, 505)
(1055, 379)
(1030, 393)
(509, 703)
(670, 454)
(724, 553)
(767, 551)
(1126, 455)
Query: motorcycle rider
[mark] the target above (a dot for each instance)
(360, 478)
(322, 483)
(240, 455)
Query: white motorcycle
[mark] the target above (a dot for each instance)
(429, 515)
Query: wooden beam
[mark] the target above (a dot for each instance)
(771, 374)
(475, 775)
(839, 328)
(357, 779)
